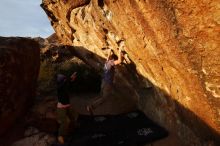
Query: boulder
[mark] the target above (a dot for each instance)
(19, 67)
(172, 46)
(33, 137)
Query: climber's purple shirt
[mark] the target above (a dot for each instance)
(109, 71)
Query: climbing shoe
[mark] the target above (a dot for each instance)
(60, 139)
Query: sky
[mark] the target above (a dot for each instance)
(24, 18)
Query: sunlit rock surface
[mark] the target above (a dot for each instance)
(19, 67)
(172, 45)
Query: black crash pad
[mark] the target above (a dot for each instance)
(130, 129)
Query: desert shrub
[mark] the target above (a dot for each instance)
(88, 80)
(46, 81)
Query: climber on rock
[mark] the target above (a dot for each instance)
(108, 78)
(65, 113)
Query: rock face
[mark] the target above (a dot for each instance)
(33, 137)
(171, 45)
(19, 66)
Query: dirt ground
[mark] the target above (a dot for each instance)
(46, 107)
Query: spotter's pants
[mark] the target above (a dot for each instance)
(67, 118)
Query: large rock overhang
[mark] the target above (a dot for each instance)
(172, 45)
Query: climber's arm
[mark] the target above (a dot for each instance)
(109, 54)
(119, 60)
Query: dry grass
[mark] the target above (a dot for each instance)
(49, 70)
